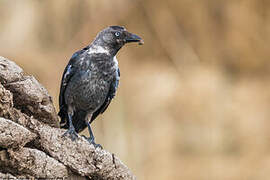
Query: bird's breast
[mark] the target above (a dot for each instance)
(91, 87)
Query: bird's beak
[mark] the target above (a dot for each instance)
(133, 38)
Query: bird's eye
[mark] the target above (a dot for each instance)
(117, 34)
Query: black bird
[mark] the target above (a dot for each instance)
(90, 80)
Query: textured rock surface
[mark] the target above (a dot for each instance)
(33, 99)
(36, 163)
(28, 95)
(82, 157)
(7, 176)
(13, 135)
(9, 71)
(30, 144)
(6, 102)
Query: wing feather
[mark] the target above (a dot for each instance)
(69, 71)
(110, 96)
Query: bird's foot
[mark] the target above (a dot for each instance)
(92, 141)
(96, 145)
(72, 133)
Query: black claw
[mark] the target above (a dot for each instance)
(97, 145)
(84, 137)
(72, 133)
(91, 141)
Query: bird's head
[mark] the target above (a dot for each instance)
(115, 37)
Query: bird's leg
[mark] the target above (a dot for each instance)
(71, 130)
(91, 139)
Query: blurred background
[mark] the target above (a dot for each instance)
(193, 102)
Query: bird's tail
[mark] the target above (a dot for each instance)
(78, 119)
(64, 117)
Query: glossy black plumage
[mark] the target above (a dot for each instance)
(90, 80)
(79, 115)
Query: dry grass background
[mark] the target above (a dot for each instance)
(193, 102)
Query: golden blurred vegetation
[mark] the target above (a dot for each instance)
(193, 102)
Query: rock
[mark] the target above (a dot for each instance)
(33, 99)
(13, 135)
(28, 94)
(7, 176)
(9, 71)
(82, 157)
(6, 102)
(34, 162)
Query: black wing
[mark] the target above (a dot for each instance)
(68, 73)
(110, 96)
